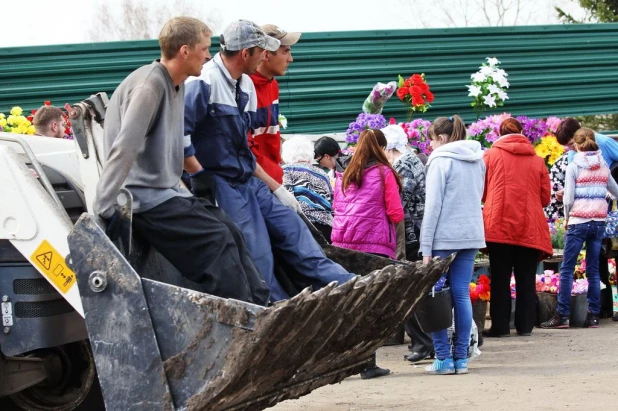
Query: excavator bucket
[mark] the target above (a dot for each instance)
(162, 347)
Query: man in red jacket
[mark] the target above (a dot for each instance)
(265, 137)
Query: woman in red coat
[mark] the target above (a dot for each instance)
(516, 190)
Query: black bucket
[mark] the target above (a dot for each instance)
(435, 311)
(579, 309)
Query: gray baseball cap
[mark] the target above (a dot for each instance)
(244, 34)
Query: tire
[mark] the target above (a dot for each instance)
(75, 386)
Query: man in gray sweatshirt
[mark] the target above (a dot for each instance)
(143, 138)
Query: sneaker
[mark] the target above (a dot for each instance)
(461, 366)
(441, 367)
(592, 321)
(557, 321)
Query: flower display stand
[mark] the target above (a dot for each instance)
(479, 313)
(546, 307)
(579, 308)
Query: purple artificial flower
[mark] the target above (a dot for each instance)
(534, 129)
(363, 121)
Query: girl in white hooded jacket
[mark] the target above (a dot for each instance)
(453, 223)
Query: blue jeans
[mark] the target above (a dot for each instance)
(459, 276)
(592, 234)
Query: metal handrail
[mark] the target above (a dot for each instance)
(13, 138)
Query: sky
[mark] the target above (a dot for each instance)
(51, 22)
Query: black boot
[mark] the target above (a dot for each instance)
(372, 370)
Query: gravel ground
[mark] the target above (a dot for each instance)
(572, 369)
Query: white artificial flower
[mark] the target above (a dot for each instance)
(496, 77)
(489, 100)
(283, 122)
(493, 89)
(492, 61)
(474, 91)
(487, 70)
(478, 77)
(503, 83)
(502, 95)
(501, 72)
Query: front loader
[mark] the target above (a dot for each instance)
(156, 343)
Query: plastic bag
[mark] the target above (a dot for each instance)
(374, 103)
(473, 348)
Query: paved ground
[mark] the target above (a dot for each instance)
(573, 369)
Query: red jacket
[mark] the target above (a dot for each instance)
(264, 136)
(516, 190)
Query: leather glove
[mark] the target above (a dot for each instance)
(287, 199)
(204, 185)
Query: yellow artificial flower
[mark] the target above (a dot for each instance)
(2, 122)
(1, 115)
(16, 111)
(31, 130)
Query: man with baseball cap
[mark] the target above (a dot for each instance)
(265, 136)
(220, 106)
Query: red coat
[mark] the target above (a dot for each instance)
(516, 190)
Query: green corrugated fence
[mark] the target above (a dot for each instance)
(553, 70)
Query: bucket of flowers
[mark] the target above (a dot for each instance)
(480, 293)
(547, 288)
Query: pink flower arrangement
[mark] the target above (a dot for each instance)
(548, 282)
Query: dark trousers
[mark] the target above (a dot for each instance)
(421, 341)
(205, 245)
(505, 259)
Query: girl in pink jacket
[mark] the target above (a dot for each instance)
(367, 203)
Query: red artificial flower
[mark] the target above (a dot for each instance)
(402, 93)
(417, 101)
(429, 96)
(30, 118)
(417, 79)
(416, 91)
(33, 112)
(47, 103)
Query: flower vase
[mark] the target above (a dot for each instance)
(479, 313)
(547, 304)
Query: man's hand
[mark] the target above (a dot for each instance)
(560, 195)
(204, 185)
(287, 199)
(426, 260)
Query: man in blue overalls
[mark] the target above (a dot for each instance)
(220, 106)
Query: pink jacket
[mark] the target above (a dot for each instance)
(365, 217)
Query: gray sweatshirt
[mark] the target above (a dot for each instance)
(453, 218)
(143, 140)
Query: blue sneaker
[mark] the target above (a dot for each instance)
(461, 366)
(441, 367)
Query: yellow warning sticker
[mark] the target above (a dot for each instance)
(52, 265)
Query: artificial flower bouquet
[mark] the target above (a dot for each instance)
(374, 103)
(364, 121)
(489, 85)
(415, 94)
(480, 290)
(416, 130)
(548, 282)
(16, 122)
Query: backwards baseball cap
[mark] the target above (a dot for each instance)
(286, 39)
(244, 34)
